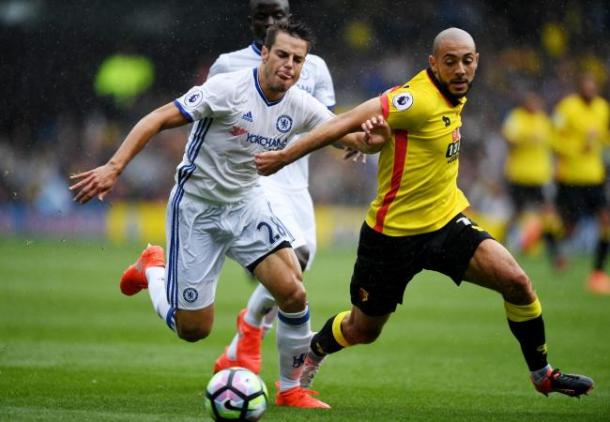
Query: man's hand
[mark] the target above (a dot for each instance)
(377, 132)
(355, 155)
(269, 162)
(97, 182)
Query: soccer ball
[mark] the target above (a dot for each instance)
(236, 394)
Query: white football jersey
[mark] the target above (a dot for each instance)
(315, 79)
(234, 121)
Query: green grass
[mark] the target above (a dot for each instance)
(72, 348)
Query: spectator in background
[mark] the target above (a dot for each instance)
(528, 132)
(581, 122)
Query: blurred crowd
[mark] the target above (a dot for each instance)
(73, 87)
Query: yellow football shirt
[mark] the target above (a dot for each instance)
(417, 173)
(529, 147)
(581, 134)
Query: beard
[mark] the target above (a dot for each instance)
(458, 94)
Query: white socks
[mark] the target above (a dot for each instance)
(261, 302)
(158, 296)
(540, 374)
(293, 337)
(260, 308)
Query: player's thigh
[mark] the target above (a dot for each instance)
(596, 201)
(569, 203)
(195, 253)
(492, 266)
(451, 248)
(295, 209)
(263, 247)
(384, 265)
(280, 273)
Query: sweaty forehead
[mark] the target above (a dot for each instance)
(455, 46)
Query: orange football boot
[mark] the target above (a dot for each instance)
(599, 282)
(134, 278)
(299, 397)
(248, 348)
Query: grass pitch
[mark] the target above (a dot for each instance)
(72, 348)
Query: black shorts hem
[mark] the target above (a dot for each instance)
(281, 245)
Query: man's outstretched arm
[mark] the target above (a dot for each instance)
(336, 128)
(99, 181)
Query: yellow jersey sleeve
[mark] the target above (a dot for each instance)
(405, 108)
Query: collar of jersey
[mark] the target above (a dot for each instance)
(451, 99)
(260, 90)
(256, 47)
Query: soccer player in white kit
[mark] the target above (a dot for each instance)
(287, 190)
(217, 209)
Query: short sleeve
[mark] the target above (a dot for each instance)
(324, 90)
(208, 100)
(219, 66)
(315, 113)
(405, 108)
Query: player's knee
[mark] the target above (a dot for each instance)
(294, 299)
(519, 287)
(192, 334)
(193, 331)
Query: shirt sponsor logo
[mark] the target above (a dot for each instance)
(402, 101)
(194, 97)
(284, 123)
(238, 131)
(272, 144)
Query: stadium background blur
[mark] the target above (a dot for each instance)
(77, 75)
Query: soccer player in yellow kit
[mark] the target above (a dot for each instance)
(416, 220)
(581, 122)
(528, 132)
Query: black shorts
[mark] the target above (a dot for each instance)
(576, 201)
(385, 264)
(524, 195)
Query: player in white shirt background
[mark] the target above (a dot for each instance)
(216, 208)
(287, 190)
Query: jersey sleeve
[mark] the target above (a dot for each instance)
(324, 90)
(314, 112)
(562, 143)
(208, 100)
(406, 108)
(220, 65)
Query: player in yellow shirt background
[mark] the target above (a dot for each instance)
(528, 131)
(416, 221)
(581, 124)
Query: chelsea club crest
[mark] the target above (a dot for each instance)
(284, 123)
